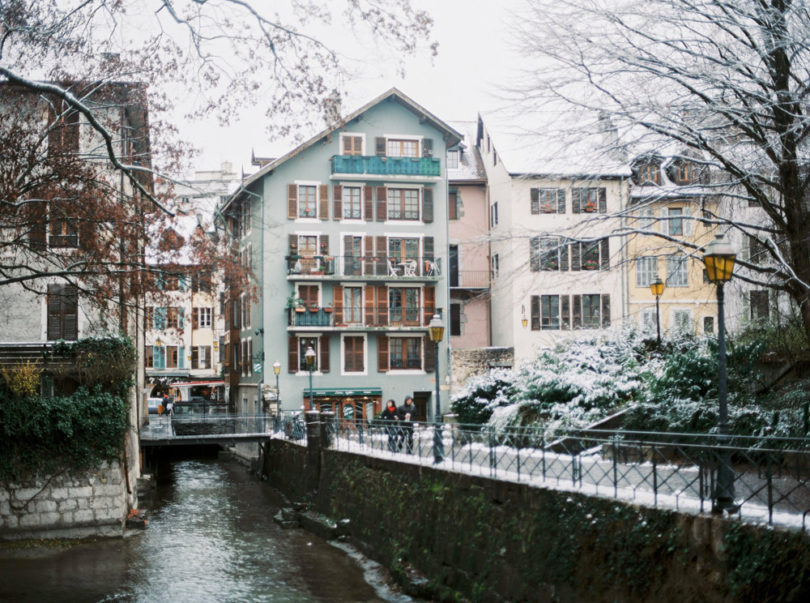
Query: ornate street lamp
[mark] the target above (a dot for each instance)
(657, 288)
(277, 370)
(310, 356)
(719, 259)
(523, 320)
(436, 328)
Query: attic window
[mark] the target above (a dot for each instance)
(649, 173)
(452, 159)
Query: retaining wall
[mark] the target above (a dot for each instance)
(66, 506)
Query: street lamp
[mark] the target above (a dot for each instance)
(310, 356)
(277, 370)
(719, 259)
(523, 320)
(436, 328)
(657, 288)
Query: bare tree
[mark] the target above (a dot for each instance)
(722, 82)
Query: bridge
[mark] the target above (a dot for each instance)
(206, 429)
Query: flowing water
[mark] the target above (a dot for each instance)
(211, 537)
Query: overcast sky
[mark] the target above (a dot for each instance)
(475, 60)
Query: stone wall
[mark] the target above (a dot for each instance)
(66, 506)
(489, 540)
(468, 363)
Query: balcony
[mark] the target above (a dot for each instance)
(362, 267)
(367, 318)
(469, 279)
(370, 165)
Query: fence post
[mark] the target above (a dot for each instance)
(769, 478)
(615, 466)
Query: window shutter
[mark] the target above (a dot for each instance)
(427, 205)
(324, 353)
(292, 201)
(180, 317)
(452, 209)
(427, 244)
(430, 355)
(292, 343)
(160, 357)
(382, 305)
(687, 223)
(605, 311)
(160, 318)
(379, 146)
(602, 200)
(565, 310)
(323, 201)
(382, 256)
(337, 303)
(604, 254)
(563, 255)
(576, 201)
(382, 353)
(369, 251)
(293, 244)
(427, 147)
(348, 145)
(180, 357)
(534, 254)
(368, 202)
(560, 200)
(195, 319)
(576, 311)
(535, 200)
(576, 255)
(430, 304)
(87, 235)
(382, 210)
(38, 225)
(535, 312)
(337, 193)
(323, 244)
(369, 303)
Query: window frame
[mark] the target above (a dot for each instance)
(646, 276)
(402, 141)
(677, 266)
(352, 135)
(404, 341)
(347, 203)
(301, 213)
(406, 205)
(344, 370)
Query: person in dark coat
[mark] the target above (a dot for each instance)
(407, 414)
(390, 419)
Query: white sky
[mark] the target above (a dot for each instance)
(475, 60)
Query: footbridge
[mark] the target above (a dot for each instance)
(206, 429)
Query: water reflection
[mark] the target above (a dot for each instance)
(211, 537)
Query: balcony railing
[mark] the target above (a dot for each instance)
(469, 279)
(357, 316)
(364, 266)
(386, 166)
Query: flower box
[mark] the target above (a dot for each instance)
(589, 208)
(313, 310)
(328, 310)
(300, 309)
(590, 265)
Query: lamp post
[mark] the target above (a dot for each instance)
(277, 370)
(719, 259)
(310, 356)
(436, 328)
(657, 288)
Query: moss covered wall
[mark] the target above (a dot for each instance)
(488, 540)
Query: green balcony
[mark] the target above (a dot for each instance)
(386, 166)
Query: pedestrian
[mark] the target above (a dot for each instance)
(390, 419)
(407, 415)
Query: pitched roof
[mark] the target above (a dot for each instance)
(470, 168)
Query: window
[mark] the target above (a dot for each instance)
(494, 266)
(755, 250)
(677, 271)
(550, 311)
(63, 312)
(351, 144)
(304, 343)
(63, 232)
(354, 354)
(589, 200)
(352, 203)
(648, 321)
(684, 172)
(405, 353)
(646, 271)
(708, 324)
(675, 221)
(201, 282)
(547, 201)
(591, 255)
(493, 215)
(547, 253)
(402, 148)
(455, 320)
(682, 321)
(202, 318)
(244, 218)
(403, 204)
(649, 173)
(353, 305)
(403, 305)
(309, 295)
(646, 218)
(155, 357)
(174, 318)
(554, 312)
(452, 201)
(400, 250)
(452, 159)
(759, 305)
(245, 305)
(591, 311)
(353, 254)
(307, 201)
(174, 356)
(201, 357)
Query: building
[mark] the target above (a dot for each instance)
(347, 237)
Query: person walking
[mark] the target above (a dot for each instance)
(407, 415)
(390, 419)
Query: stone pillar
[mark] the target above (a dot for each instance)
(314, 445)
(328, 426)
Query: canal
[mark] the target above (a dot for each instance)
(211, 537)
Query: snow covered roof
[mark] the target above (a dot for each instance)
(470, 168)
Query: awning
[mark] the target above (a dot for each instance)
(202, 382)
(329, 392)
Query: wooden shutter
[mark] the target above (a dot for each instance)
(576, 256)
(427, 205)
(602, 200)
(292, 342)
(292, 201)
(576, 311)
(430, 355)
(427, 249)
(337, 193)
(324, 353)
(323, 244)
(348, 145)
(337, 303)
(323, 201)
(560, 200)
(605, 310)
(87, 232)
(534, 306)
(195, 318)
(604, 254)
(563, 255)
(382, 256)
(369, 303)
(382, 353)
(534, 254)
(382, 206)
(452, 205)
(37, 214)
(369, 255)
(292, 241)
(576, 200)
(565, 311)
(379, 146)
(534, 195)
(430, 303)
(382, 305)
(427, 147)
(368, 202)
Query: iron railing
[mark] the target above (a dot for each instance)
(405, 317)
(381, 266)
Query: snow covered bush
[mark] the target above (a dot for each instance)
(474, 403)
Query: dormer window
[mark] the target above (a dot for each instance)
(648, 172)
(452, 159)
(684, 171)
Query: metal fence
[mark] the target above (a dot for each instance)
(771, 476)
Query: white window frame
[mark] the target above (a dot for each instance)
(317, 348)
(674, 321)
(646, 218)
(647, 320)
(317, 185)
(646, 270)
(208, 313)
(420, 200)
(362, 137)
(455, 163)
(676, 215)
(682, 263)
(354, 285)
(343, 187)
(343, 370)
(407, 137)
